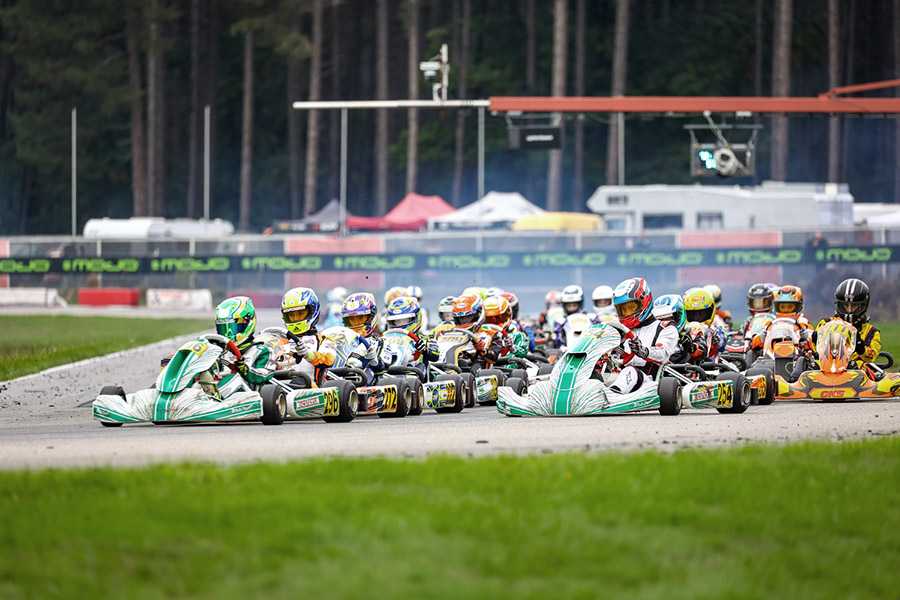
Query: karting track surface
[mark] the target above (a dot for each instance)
(47, 423)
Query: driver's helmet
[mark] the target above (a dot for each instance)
(497, 311)
(572, 299)
(404, 313)
(670, 308)
(414, 291)
(851, 301)
(760, 299)
(468, 312)
(394, 292)
(300, 310)
(337, 295)
(359, 312)
(788, 302)
(551, 298)
(602, 297)
(699, 306)
(493, 291)
(475, 289)
(236, 319)
(445, 309)
(513, 303)
(633, 301)
(716, 293)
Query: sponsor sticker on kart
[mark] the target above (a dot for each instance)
(703, 393)
(306, 402)
(726, 394)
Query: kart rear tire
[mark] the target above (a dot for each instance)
(517, 384)
(669, 396)
(404, 398)
(348, 398)
(545, 369)
(471, 389)
(461, 393)
(770, 384)
(112, 390)
(520, 373)
(418, 395)
(740, 399)
(274, 405)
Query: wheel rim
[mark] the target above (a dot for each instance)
(353, 402)
(282, 405)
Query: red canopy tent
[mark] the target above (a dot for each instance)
(410, 214)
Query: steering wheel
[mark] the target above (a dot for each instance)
(224, 343)
(413, 336)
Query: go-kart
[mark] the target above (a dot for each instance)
(196, 384)
(455, 349)
(837, 379)
(435, 390)
(784, 349)
(749, 344)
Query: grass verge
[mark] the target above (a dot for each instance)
(33, 343)
(890, 340)
(813, 520)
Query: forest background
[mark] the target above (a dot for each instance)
(140, 72)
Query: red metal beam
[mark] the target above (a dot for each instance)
(825, 104)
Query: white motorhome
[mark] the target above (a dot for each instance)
(772, 205)
(139, 228)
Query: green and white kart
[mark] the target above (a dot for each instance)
(580, 379)
(196, 385)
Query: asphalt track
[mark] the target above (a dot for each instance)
(46, 422)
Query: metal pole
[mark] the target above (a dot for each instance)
(480, 152)
(74, 194)
(206, 163)
(343, 203)
(621, 132)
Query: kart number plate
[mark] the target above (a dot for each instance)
(726, 394)
(198, 348)
(390, 399)
(332, 400)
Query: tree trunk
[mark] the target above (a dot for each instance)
(619, 76)
(456, 195)
(578, 176)
(381, 114)
(138, 153)
(530, 85)
(155, 124)
(293, 121)
(247, 136)
(312, 123)
(412, 116)
(849, 67)
(896, 37)
(334, 128)
(834, 123)
(211, 87)
(194, 116)
(558, 88)
(781, 86)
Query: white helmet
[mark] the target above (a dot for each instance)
(602, 297)
(572, 294)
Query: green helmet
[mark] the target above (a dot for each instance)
(236, 319)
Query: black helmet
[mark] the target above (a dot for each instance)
(760, 298)
(851, 301)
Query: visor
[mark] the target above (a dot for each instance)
(295, 315)
(352, 321)
(849, 307)
(626, 309)
(498, 320)
(446, 315)
(602, 302)
(465, 319)
(401, 321)
(787, 307)
(760, 303)
(699, 316)
(230, 328)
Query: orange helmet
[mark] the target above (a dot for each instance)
(788, 302)
(497, 311)
(395, 292)
(468, 312)
(513, 303)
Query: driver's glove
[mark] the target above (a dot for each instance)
(241, 367)
(421, 345)
(860, 348)
(638, 348)
(355, 360)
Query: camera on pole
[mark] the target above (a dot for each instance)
(437, 73)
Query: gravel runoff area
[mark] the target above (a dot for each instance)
(47, 423)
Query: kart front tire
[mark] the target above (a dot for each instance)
(669, 396)
(112, 390)
(770, 384)
(471, 389)
(517, 384)
(274, 405)
(741, 395)
(348, 399)
(418, 397)
(500, 375)
(545, 369)
(461, 392)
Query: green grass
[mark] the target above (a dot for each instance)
(890, 340)
(813, 520)
(30, 344)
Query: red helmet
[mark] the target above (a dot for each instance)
(633, 301)
(468, 312)
(513, 303)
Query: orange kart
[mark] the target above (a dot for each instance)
(838, 379)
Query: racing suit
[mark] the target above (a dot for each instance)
(528, 331)
(426, 351)
(373, 356)
(490, 346)
(868, 341)
(659, 340)
(315, 353)
(559, 335)
(257, 363)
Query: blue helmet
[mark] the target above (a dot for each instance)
(670, 308)
(300, 310)
(633, 301)
(404, 313)
(359, 312)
